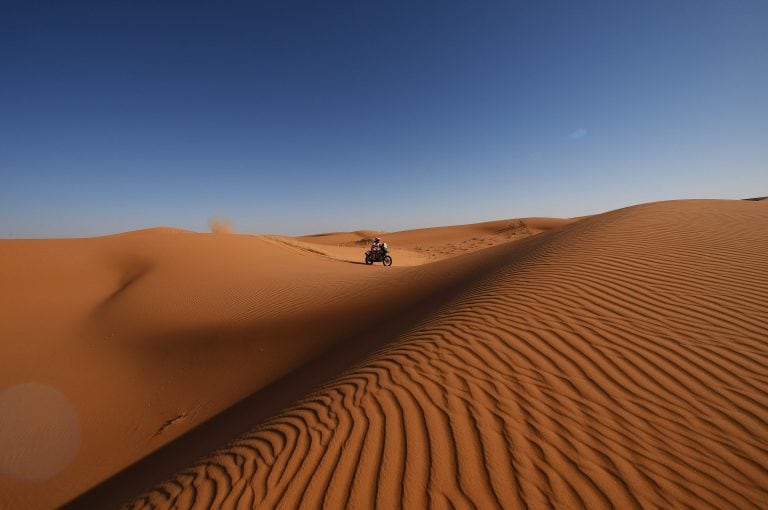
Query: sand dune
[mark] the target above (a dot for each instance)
(616, 361)
(137, 338)
(428, 244)
(350, 252)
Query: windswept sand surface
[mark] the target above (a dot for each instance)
(616, 361)
(114, 346)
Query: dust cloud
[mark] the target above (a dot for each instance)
(221, 225)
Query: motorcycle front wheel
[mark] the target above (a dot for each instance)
(387, 260)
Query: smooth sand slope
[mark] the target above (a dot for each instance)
(620, 361)
(114, 346)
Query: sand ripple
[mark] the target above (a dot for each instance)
(617, 362)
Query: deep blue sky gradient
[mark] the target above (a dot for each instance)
(307, 116)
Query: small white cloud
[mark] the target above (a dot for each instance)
(578, 134)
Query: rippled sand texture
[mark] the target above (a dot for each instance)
(113, 348)
(620, 361)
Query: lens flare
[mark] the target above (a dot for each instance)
(39, 431)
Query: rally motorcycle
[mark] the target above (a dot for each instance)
(380, 255)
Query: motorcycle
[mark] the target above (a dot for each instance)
(381, 255)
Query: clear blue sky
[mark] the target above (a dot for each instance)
(303, 116)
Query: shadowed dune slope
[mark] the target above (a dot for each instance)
(618, 362)
(140, 337)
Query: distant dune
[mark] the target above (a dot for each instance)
(618, 360)
(428, 244)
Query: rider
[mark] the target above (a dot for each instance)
(377, 245)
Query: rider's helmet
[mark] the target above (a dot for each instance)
(376, 239)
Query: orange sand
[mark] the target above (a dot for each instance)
(619, 360)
